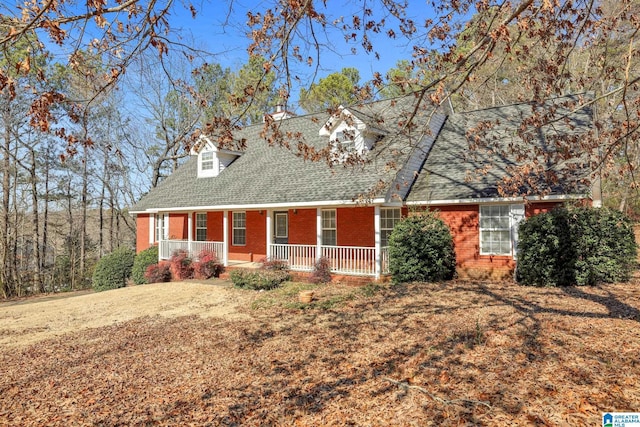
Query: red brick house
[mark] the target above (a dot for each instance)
(265, 200)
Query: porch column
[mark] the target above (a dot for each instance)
(189, 232)
(225, 238)
(376, 227)
(318, 233)
(268, 213)
(152, 228)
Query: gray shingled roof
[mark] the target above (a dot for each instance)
(271, 174)
(267, 175)
(453, 171)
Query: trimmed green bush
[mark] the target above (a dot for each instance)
(421, 250)
(113, 270)
(546, 256)
(143, 260)
(258, 279)
(576, 246)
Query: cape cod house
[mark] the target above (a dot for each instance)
(261, 200)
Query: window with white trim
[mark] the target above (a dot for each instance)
(239, 231)
(162, 227)
(207, 161)
(389, 217)
(344, 140)
(329, 229)
(201, 227)
(499, 228)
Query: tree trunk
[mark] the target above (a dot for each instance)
(5, 244)
(37, 277)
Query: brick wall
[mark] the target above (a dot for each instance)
(356, 226)
(256, 247)
(142, 232)
(178, 223)
(302, 227)
(464, 225)
(215, 231)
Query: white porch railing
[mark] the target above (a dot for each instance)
(351, 259)
(166, 248)
(384, 260)
(299, 257)
(343, 259)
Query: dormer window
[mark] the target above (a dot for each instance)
(344, 140)
(349, 135)
(211, 159)
(207, 161)
(212, 162)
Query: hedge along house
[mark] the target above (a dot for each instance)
(270, 200)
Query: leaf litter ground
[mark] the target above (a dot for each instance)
(457, 353)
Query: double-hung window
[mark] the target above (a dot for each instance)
(499, 228)
(206, 160)
(162, 227)
(239, 228)
(201, 227)
(389, 217)
(329, 229)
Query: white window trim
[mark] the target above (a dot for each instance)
(516, 215)
(200, 214)
(335, 228)
(162, 227)
(234, 228)
(286, 231)
(215, 166)
(382, 228)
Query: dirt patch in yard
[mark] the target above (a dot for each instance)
(450, 354)
(27, 321)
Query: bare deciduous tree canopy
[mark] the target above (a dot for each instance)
(467, 54)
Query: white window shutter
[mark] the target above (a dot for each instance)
(516, 215)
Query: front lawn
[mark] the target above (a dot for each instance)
(424, 354)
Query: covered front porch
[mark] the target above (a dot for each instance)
(355, 260)
(352, 239)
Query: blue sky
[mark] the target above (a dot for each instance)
(216, 31)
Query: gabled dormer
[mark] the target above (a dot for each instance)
(212, 160)
(349, 134)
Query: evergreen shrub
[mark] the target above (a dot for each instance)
(258, 279)
(113, 270)
(143, 260)
(576, 245)
(421, 250)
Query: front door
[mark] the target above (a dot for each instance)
(281, 228)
